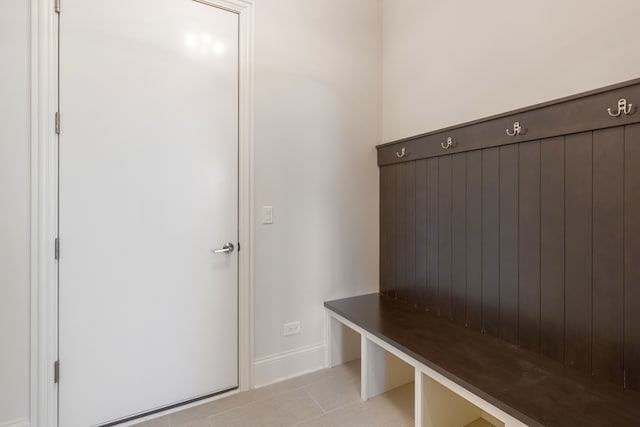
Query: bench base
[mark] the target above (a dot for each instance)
(438, 401)
(515, 386)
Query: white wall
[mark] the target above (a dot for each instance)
(14, 210)
(447, 62)
(317, 120)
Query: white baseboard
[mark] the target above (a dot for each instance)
(278, 367)
(22, 422)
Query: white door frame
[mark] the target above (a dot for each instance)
(44, 204)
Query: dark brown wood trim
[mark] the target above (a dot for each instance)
(579, 113)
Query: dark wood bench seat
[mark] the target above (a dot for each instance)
(531, 388)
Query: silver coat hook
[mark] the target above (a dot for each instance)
(448, 144)
(623, 107)
(400, 154)
(517, 129)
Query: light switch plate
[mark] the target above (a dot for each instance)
(267, 214)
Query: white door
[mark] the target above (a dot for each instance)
(148, 186)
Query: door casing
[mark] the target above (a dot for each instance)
(43, 393)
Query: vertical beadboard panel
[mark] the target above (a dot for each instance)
(421, 233)
(529, 246)
(608, 254)
(632, 257)
(459, 238)
(578, 244)
(398, 227)
(509, 243)
(386, 212)
(490, 240)
(444, 235)
(552, 248)
(409, 285)
(432, 234)
(474, 240)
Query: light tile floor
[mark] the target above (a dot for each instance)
(329, 397)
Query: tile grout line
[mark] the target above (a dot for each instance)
(339, 408)
(356, 383)
(262, 399)
(271, 396)
(314, 400)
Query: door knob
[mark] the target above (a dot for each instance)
(227, 249)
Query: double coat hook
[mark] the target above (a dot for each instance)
(448, 144)
(517, 129)
(623, 107)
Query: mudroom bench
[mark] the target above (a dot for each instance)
(509, 275)
(461, 376)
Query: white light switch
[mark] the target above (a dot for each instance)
(267, 214)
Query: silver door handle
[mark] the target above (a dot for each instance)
(227, 249)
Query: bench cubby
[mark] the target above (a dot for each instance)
(441, 407)
(344, 343)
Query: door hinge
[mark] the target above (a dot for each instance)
(57, 249)
(56, 371)
(57, 123)
(57, 5)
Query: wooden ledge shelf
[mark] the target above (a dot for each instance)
(508, 386)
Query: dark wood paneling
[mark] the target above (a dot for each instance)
(552, 248)
(579, 114)
(459, 237)
(386, 212)
(632, 257)
(490, 240)
(509, 243)
(421, 233)
(535, 242)
(474, 240)
(529, 247)
(444, 236)
(578, 236)
(608, 254)
(399, 225)
(408, 291)
(432, 235)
